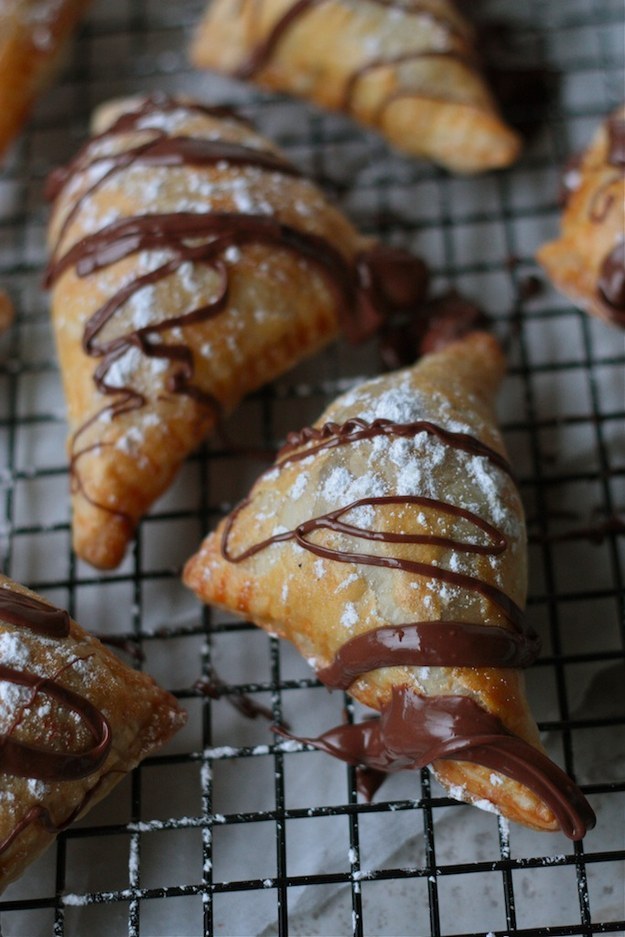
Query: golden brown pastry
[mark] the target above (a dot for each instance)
(406, 68)
(190, 263)
(32, 35)
(73, 721)
(388, 543)
(587, 261)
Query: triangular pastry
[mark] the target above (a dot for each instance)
(190, 263)
(73, 721)
(587, 261)
(388, 544)
(32, 36)
(406, 68)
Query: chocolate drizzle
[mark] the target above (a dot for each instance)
(25, 611)
(21, 759)
(367, 288)
(29, 761)
(460, 58)
(262, 54)
(429, 644)
(414, 730)
(331, 435)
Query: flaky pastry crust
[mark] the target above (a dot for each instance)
(369, 520)
(190, 263)
(406, 69)
(73, 721)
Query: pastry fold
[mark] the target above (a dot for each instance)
(387, 543)
(73, 721)
(587, 261)
(32, 37)
(190, 263)
(405, 69)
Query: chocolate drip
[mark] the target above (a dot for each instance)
(436, 322)
(377, 282)
(413, 730)
(21, 759)
(28, 612)
(213, 686)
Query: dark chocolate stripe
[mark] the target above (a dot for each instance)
(29, 761)
(26, 611)
(429, 644)
(155, 104)
(413, 731)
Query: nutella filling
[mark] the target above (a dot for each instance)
(412, 730)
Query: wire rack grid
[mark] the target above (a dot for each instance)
(229, 831)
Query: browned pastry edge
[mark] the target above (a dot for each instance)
(26, 64)
(53, 768)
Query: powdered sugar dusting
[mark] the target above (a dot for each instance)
(349, 616)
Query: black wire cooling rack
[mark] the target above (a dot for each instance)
(229, 831)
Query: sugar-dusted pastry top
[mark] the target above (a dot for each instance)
(388, 543)
(587, 261)
(406, 68)
(73, 721)
(32, 35)
(190, 262)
